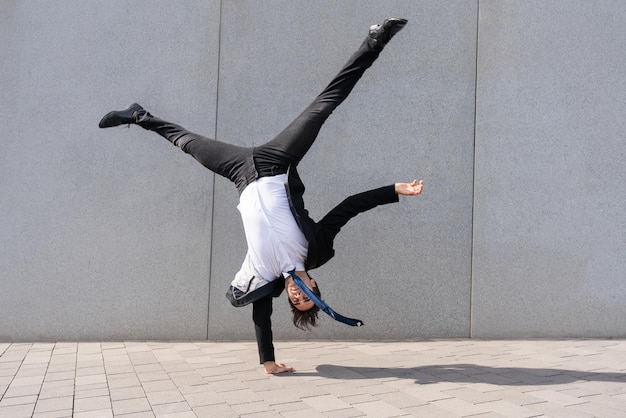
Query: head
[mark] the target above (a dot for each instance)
(303, 309)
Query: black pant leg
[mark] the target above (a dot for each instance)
(292, 143)
(228, 160)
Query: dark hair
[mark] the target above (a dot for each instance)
(305, 319)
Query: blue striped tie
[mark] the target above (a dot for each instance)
(322, 305)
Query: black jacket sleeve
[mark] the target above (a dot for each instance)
(321, 235)
(262, 317)
(355, 204)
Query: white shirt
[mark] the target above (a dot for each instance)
(275, 243)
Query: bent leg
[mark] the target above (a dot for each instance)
(228, 160)
(292, 143)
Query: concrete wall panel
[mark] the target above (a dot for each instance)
(104, 234)
(404, 268)
(549, 244)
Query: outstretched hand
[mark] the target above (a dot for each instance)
(410, 189)
(272, 367)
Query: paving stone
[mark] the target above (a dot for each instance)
(429, 410)
(90, 380)
(91, 393)
(171, 408)
(473, 396)
(163, 397)
(515, 396)
(325, 403)
(13, 391)
(123, 393)
(187, 378)
(305, 412)
(356, 399)
(178, 366)
(27, 381)
(219, 410)
(88, 360)
(235, 397)
(90, 371)
(129, 406)
(93, 386)
(380, 409)
(580, 392)
(103, 413)
(425, 393)
(123, 380)
(91, 404)
(557, 397)
(17, 411)
(401, 399)
(9, 368)
(54, 404)
(64, 375)
(142, 358)
(591, 410)
(248, 408)
(460, 407)
(18, 400)
(203, 398)
(36, 358)
(187, 414)
(33, 370)
(54, 414)
(158, 385)
(345, 413)
(606, 401)
(227, 385)
(6, 380)
(61, 367)
(144, 414)
(552, 409)
(508, 409)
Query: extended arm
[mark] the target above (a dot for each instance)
(358, 203)
(262, 317)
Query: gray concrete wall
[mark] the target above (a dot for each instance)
(550, 226)
(410, 116)
(115, 234)
(103, 234)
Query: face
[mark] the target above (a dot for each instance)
(298, 298)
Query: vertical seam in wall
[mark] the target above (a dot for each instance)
(471, 273)
(212, 223)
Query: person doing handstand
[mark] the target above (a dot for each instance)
(284, 243)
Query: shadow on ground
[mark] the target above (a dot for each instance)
(470, 373)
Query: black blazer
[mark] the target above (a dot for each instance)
(320, 236)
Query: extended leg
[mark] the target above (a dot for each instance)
(292, 143)
(228, 160)
(231, 161)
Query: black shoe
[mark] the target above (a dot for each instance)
(120, 117)
(383, 33)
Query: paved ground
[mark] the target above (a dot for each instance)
(443, 378)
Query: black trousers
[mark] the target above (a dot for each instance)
(243, 165)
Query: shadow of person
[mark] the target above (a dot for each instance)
(469, 373)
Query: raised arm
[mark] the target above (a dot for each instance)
(358, 203)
